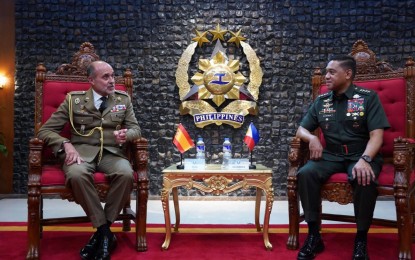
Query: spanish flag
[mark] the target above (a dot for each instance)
(182, 140)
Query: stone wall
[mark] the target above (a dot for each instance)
(290, 38)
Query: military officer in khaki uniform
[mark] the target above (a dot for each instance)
(102, 120)
(352, 121)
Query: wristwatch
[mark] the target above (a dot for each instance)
(366, 158)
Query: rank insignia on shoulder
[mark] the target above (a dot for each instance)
(121, 92)
(324, 95)
(362, 90)
(77, 92)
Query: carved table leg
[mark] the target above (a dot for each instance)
(176, 209)
(165, 202)
(268, 207)
(257, 208)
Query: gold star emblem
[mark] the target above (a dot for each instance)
(200, 38)
(237, 38)
(218, 33)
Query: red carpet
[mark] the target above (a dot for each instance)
(196, 242)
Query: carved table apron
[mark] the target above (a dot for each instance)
(217, 181)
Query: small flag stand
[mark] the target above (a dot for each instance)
(251, 139)
(251, 166)
(183, 142)
(181, 165)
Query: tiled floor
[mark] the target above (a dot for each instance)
(191, 211)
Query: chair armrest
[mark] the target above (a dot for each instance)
(403, 161)
(298, 155)
(35, 165)
(139, 156)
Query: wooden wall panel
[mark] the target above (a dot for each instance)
(7, 68)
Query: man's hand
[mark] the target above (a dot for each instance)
(72, 155)
(363, 172)
(120, 136)
(316, 149)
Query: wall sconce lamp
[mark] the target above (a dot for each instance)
(3, 81)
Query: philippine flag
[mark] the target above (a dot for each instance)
(251, 137)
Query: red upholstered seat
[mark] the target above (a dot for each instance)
(385, 177)
(52, 175)
(396, 91)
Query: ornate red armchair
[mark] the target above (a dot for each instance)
(396, 90)
(45, 174)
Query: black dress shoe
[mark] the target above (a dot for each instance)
(360, 250)
(312, 245)
(89, 250)
(107, 245)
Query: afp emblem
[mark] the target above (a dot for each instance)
(220, 93)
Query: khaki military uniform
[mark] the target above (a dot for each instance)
(346, 122)
(92, 136)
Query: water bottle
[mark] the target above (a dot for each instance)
(227, 153)
(200, 149)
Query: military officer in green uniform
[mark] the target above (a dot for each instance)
(102, 120)
(352, 121)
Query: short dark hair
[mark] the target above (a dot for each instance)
(346, 62)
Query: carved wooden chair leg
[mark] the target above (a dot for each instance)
(404, 223)
(294, 221)
(41, 216)
(33, 227)
(141, 217)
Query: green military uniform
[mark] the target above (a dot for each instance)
(92, 136)
(346, 122)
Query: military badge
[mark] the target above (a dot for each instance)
(355, 105)
(77, 101)
(219, 93)
(117, 108)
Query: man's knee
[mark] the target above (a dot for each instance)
(305, 173)
(125, 175)
(76, 174)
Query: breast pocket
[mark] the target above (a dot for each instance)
(117, 117)
(355, 126)
(327, 123)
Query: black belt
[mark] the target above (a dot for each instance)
(346, 148)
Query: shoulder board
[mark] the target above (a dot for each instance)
(324, 95)
(77, 93)
(121, 92)
(363, 90)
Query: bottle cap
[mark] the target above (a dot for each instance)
(226, 139)
(200, 139)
